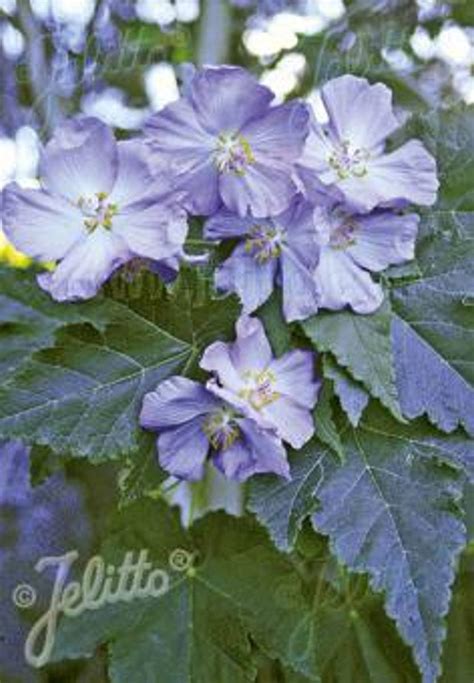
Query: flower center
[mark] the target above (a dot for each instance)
(97, 211)
(259, 391)
(232, 154)
(221, 429)
(264, 243)
(349, 161)
(343, 235)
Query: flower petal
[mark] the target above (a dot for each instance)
(183, 450)
(80, 159)
(251, 349)
(134, 176)
(251, 280)
(292, 422)
(151, 229)
(258, 451)
(226, 97)
(217, 359)
(383, 238)
(300, 293)
(174, 401)
(86, 266)
(359, 112)
(183, 148)
(263, 190)
(294, 377)
(342, 282)
(39, 224)
(227, 225)
(280, 133)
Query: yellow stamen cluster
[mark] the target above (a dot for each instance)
(220, 429)
(259, 392)
(98, 212)
(233, 154)
(348, 161)
(263, 243)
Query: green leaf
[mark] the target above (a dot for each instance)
(391, 510)
(281, 505)
(141, 475)
(28, 318)
(277, 330)
(433, 329)
(198, 631)
(362, 345)
(188, 309)
(449, 135)
(326, 429)
(458, 659)
(82, 396)
(352, 395)
(357, 642)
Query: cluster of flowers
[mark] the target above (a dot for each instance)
(313, 207)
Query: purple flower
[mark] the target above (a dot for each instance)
(228, 145)
(352, 245)
(99, 207)
(347, 155)
(193, 424)
(277, 394)
(281, 249)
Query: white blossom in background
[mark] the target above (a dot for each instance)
(161, 85)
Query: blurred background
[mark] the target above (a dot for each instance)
(121, 60)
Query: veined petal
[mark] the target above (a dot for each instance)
(80, 159)
(225, 98)
(300, 293)
(280, 133)
(317, 149)
(251, 349)
(134, 176)
(39, 224)
(183, 450)
(263, 190)
(292, 422)
(86, 266)
(301, 234)
(258, 451)
(152, 229)
(251, 280)
(201, 185)
(359, 112)
(217, 359)
(174, 401)
(294, 377)
(176, 132)
(184, 149)
(268, 451)
(384, 238)
(235, 462)
(226, 225)
(342, 282)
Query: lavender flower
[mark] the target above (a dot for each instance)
(277, 394)
(99, 207)
(226, 144)
(352, 245)
(194, 424)
(279, 250)
(347, 155)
